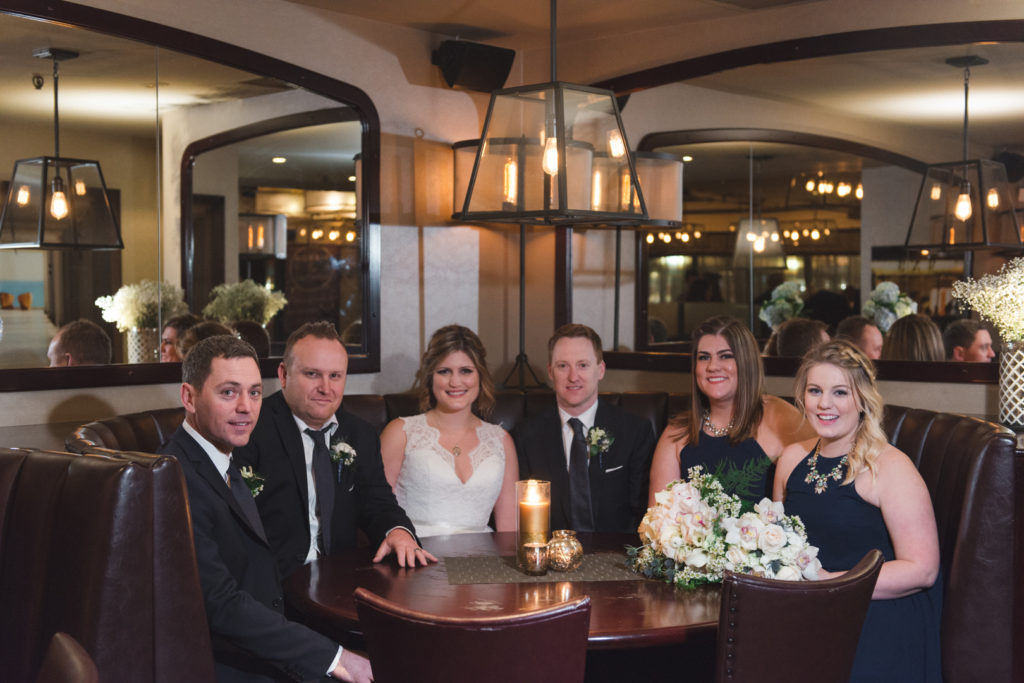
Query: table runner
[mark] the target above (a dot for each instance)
(496, 569)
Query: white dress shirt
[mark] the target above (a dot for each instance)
(587, 417)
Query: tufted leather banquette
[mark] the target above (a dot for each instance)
(99, 547)
(968, 464)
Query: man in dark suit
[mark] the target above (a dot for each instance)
(252, 641)
(322, 465)
(596, 456)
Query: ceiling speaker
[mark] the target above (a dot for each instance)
(474, 66)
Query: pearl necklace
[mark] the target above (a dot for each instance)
(713, 429)
(819, 480)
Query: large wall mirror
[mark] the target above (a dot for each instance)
(875, 95)
(141, 109)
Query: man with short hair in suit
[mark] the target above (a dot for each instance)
(596, 456)
(322, 465)
(252, 641)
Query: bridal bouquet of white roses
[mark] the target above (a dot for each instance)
(696, 531)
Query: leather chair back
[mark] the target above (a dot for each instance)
(780, 631)
(67, 662)
(99, 547)
(546, 645)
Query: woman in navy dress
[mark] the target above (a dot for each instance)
(733, 428)
(854, 492)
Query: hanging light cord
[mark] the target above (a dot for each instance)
(967, 78)
(56, 116)
(554, 42)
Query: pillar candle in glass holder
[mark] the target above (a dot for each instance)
(534, 522)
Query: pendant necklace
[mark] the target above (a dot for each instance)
(819, 480)
(713, 429)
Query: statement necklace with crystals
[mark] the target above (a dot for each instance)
(713, 429)
(819, 480)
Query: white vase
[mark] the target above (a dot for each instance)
(1011, 385)
(143, 345)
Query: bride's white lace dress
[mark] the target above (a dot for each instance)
(430, 492)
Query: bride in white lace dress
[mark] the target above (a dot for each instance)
(450, 469)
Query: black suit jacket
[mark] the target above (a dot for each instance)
(618, 479)
(240, 583)
(362, 497)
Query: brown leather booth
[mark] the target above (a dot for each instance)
(99, 547)
(968, 464)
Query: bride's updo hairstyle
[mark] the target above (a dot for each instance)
(445, 341)
(860, 374)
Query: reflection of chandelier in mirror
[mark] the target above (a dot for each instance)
(814, 229)
(56, 202)
(840, 186)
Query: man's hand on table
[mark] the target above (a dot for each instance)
(353, 668)
(406, 550)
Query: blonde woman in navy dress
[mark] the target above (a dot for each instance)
(854, 492)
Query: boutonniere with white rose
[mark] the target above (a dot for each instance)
(598, 443)
(253, 479)
(342, 454)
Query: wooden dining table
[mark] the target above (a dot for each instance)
(624, 613)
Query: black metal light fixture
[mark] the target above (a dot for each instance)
(540, 148)
(57, 202)
(964, 205)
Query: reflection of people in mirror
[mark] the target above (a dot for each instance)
(863, 333)
(81, 342)
(913, 337)
(968, 341)
(174, 330)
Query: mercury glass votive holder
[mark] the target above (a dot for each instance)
(535, 558)
(565, 552)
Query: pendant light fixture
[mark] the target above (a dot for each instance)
(539, 150)
(964, 205)
(56, 202)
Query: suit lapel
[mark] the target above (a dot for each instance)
(291, 443)
(206, 469)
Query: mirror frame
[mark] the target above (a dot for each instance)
(869, 40)
(367, 361)
(185, 42)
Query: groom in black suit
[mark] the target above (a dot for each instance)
(252, 641)
(323, 470)
(596, 456)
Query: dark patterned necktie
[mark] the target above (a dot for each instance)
(581, 516)
(323, 478)
(240, 490)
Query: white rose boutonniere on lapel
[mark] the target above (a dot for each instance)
(598, 443)
(342, 454)
(253, 479)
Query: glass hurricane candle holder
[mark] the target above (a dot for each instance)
(565, 552)
(534, 520)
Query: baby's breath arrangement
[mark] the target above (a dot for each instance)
(141, 305)
(998, 298)
(244, 300)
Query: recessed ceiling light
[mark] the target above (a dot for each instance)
(279, 160)
(351, 178)
(687, 158)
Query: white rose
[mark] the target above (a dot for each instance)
(787, 573)
(696, 558)
(772, 539)
(736, 557)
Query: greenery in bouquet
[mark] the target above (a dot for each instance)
(886, 305)
(998, 298)
(142, 305)
(785, 303)
(696, 531)
(244, 300)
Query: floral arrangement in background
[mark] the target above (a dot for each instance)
(886, 305)
(696, 531)
(244, 300)
(998, 298)
(142, 305)
(785, 303)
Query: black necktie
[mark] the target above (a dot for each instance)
(240, 490)
(580, 515)
(323, 477)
